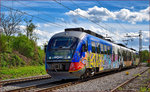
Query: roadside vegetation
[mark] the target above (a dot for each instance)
(145, 55)
(19, 54)
(20, 72)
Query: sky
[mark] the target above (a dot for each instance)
(115, 19)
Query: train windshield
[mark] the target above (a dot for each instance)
(62, 47)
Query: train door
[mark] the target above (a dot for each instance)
(109, 56)
(97, 57)
(121, 58)
(93, 54)
(101, 57)
(114, 57)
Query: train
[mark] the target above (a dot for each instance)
(80, 53)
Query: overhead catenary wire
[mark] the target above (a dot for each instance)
(59, 25)
(87, 12)
(89, 19)
(43, 13)
(78, 13)
(112, 16)
(126, 31)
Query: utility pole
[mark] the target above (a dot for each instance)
(149, 44)
(140, 42)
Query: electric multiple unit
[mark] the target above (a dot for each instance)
(79, 53)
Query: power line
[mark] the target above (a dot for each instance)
(115, 20)
(32, 16)
(78, 14)
(93, 21)
(42, 13)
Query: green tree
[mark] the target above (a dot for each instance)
(30, 27)
(144, 55)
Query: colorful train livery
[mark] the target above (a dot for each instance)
(79, 53)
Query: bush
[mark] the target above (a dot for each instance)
(11, 60)
(17, 61)
(24, 46)
(3, 43)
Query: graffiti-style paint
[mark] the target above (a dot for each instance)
(103, 61)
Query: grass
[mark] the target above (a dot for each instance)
(144, 89)
(20, 72)
(120, 88)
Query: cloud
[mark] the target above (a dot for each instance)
(99, 14)
(132, 7)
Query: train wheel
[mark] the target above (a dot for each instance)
(85, 75)
(91, 72)
(120, 67)
(82, 77)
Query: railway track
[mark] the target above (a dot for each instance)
(49, 89)
(38, 87)
(26, 79)
(128, 81)
(50, 86)
(58, 84)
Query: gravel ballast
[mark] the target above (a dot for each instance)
(25, 84)
(105, 83)
(139, 84)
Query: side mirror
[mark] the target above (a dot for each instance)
(45, 47)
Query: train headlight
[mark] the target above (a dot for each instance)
(50, 57)
(68, 57)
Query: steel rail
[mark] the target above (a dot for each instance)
(33, 88)
(3, 82)
(124, 83)
(50, 89)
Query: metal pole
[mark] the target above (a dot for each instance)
(149, 37)
(140, 45)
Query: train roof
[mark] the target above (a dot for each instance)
(76, 34)
(80, 29)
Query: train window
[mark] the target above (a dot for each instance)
(102, 50)
(130, 56)
(63, 42)
(98, 48)
(84, 48)
(124, 56)
(105, 49)
(93, 47)
(134, 56)
(87, 45)
(113, 56)
(119, 54)
(108, 50)
(128, 59)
